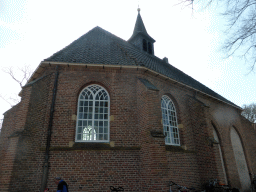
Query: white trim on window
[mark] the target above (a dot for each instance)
(93, 111)
(170, 122)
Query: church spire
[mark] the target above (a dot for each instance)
(139, 26)
(140, 38)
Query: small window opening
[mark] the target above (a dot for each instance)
(150, 48)
(145, 47)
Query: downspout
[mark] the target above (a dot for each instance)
(49, 133)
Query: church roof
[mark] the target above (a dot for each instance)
(99, 46)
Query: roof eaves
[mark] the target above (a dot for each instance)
(146, 69)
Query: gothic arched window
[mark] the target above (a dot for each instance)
(170, 123)
(241, 164)
(219, 157)
(93, 115)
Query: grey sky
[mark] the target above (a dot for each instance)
(31, 31)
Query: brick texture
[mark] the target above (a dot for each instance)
(136, 159)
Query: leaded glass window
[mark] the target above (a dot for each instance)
(170, 123)
(93, 115)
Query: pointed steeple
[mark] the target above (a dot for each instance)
(140, 38)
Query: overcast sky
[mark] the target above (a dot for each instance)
(32, 30)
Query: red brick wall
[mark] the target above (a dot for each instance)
(137, 161)
(224, 118)
(29, 118)
(219, 159)
(154, 167)
(7, 163)
(96, 170)
(13, 126)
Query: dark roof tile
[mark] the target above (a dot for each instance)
(98, 46)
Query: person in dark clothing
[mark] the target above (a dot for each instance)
(62, 185)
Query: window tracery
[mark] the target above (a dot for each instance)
(93, 115)
(170, 123)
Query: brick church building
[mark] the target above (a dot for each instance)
(107, 112)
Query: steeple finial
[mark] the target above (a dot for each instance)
(138, 9)
(138, 6)
(140, 37)
(140, 27)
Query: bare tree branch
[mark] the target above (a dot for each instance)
(20, 76)
(241, 27)
(249, 112)
(6, 100)
(25, 72)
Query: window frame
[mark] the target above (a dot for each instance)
(168, 120)
(93, 113)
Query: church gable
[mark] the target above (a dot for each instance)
(101, 47)
(104, 112)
